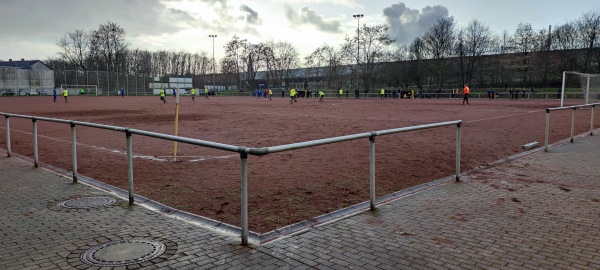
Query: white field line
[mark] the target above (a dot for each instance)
(123, 153)
(499, 117)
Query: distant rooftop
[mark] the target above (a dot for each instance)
(22, 64)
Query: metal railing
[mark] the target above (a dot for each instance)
(243, 151)
(574, 108)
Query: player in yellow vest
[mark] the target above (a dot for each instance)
(293, 95)
(382, 93)
(65, 94)
(162, 96)
(193, 91)
(206, 92)
(269, 93)
(340, 93)
(321, 95)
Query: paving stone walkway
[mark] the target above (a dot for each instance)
(540, 211)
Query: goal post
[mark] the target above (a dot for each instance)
(582, 88)
(75, 89)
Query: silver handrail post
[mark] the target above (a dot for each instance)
(372, 171)
(130, 166)
(573, 124)
(244, 198)
(458, 140)
(592, 121)
(35, 144)
(8, 152)
(547, 130)
(74, 151)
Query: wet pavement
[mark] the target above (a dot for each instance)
(540, 210)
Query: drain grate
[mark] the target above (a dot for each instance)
(123, 252)
(87, 202)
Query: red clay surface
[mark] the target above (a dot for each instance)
(286, 187)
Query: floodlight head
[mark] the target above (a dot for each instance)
(358, 15)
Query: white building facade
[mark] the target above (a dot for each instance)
(25, 77)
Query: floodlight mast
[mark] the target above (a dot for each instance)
(213, 80)
(357, 16)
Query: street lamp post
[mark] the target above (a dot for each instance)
(116, 63)
(357, 17)
(213, 80)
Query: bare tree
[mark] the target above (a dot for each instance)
(326, 62)
(589, 27)
(372, 41)
(439, 42)
(494, 67)
(541, 62)
(566, 37)
(314, 62)
(268, 58)
(75, 48)
(524, 42)
(285, 63)
(252, 62)
(416, 55)
(474, 42)
(334, 72)
(229, 74)
(178, 63)
(396, 69)
(199, 65)
(108, 46)
(233, 53)
(506, 43)
(139, 61)
(348, 59)
(160, 63)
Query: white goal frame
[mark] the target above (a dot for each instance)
(586, 92)
(88, 87)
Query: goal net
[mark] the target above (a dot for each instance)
(579, 88)
(81, 89)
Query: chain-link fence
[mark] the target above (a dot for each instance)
(108, 83)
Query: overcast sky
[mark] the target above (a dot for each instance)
(30, 29)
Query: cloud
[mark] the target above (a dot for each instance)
(312, 17)
(252, 15)
(345, 3)
(223, 2)
(405, 24)
(182, 15)
(53, 19)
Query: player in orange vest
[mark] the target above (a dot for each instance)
(466, 93)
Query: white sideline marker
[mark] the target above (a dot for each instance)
(530, 145)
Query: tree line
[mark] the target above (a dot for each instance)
(443, 55)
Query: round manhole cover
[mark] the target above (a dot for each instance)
(87, 202)
(123, 252)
